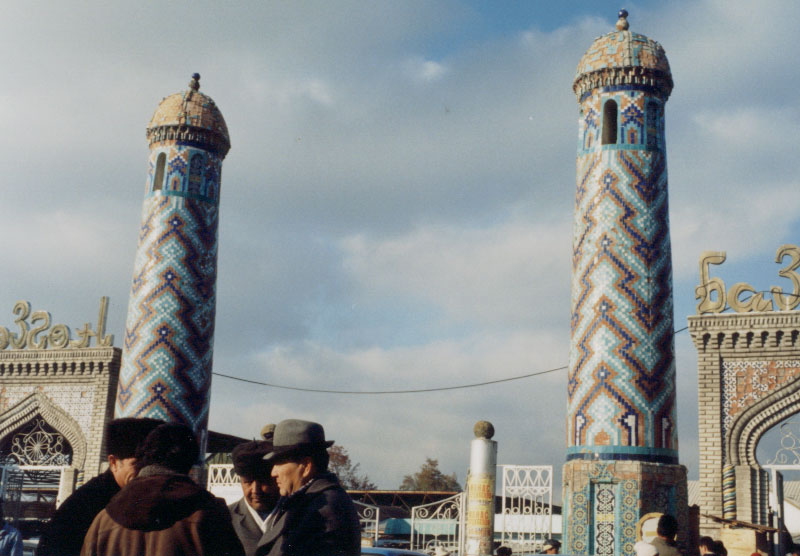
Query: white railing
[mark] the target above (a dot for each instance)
(527, 513)
(370, 518)
(439, 524)
(224, 482)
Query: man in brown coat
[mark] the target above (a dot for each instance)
(66, 531)
(162, 511)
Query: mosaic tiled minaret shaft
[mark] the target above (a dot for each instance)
(169, 334)
(622, 450)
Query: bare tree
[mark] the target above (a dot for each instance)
(347, 471)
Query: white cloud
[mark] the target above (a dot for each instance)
(492, 275)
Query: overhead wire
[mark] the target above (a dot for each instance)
(408, 391)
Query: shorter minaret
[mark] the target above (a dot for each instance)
(622, 444)
(169, 334)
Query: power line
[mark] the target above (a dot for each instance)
(412, 391)
(377, 392)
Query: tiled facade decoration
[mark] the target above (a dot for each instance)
(169, 336)
(621, 386)
(606, 500)
(71, 391)
(748, 371)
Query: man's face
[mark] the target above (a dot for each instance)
(291, 475)
(123, 469)
(261, 493)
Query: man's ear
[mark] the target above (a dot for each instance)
(112, 461)
(308, 467)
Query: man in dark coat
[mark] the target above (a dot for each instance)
(249, 514)
(64, 535)
(162, 511)
(314, 515)
(666, 530)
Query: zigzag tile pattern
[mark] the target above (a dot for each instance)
(169, 336)
(621, 380)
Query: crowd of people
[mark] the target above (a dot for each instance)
(146, 502)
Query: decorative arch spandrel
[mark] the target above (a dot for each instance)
(780, 402)
(37, 404)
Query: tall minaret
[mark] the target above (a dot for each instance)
(622, 447)
(169, 334)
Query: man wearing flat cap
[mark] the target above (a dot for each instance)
(314, 515)
(64, 536)
(249, 514)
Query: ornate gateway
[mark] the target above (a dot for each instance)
(56, 394)
(749, 381)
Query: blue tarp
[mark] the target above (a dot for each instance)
(397, 526)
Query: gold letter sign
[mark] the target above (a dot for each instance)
(713, 299)
(36, 335)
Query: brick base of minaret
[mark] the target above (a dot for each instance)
(604, 502)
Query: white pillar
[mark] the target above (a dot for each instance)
(479, 538)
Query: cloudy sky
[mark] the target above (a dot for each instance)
(397, 203)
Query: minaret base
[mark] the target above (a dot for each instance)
(605, 500)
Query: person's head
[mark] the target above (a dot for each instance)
(719, 549)
(706, 545)
(667, 527)
(299, 453)
(171, 445)
(551, 546)
(123, 437)
(268, 431)
(258, 487)
(504, 551)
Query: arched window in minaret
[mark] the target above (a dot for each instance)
(610, 122)
(195, 173)
(651, 123)
(158, 180)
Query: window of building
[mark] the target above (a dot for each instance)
(195, 173)
(610, 123)
(158, 180)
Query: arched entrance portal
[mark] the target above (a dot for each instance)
(39, 446)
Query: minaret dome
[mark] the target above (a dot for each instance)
(623, 58)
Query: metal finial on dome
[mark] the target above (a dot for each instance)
(622, 22)
(194, 84)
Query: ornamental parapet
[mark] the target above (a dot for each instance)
(655, 81)
(189, 135)
(775, 330)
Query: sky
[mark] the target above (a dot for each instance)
(397, 205)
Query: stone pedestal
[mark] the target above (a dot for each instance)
(604, 501)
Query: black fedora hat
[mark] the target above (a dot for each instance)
(295, 436)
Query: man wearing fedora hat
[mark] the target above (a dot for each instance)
(314, 515)
(250, 513)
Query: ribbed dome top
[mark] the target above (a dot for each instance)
(625, 50)
(190, 108)
(622, 49)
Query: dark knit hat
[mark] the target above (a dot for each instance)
(124, 435)
(248, 459)
(172, 445)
